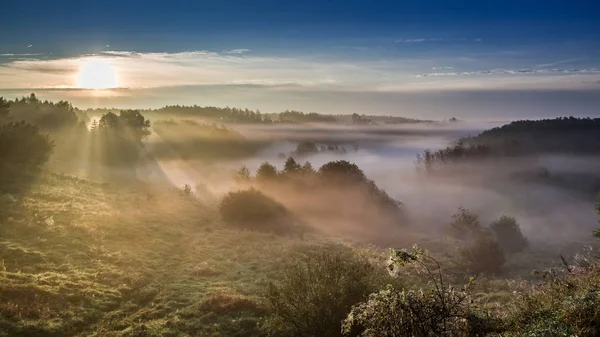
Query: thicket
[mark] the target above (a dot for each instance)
(253, 210)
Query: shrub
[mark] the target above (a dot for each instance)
(483, 255)
(566, 305)
(465, 225)
(318, 289)
(509, 235)
(23, 143)
(439, 310)
(251, 209)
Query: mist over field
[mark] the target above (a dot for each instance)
(300, 168)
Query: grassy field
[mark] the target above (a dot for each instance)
(85, 258)
(81, 258)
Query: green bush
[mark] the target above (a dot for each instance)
(465, 225)
(437, 310)
(251, 209)
(509, 235)
(483, 255)
(23, 143)
(566, 305)
(318, 289)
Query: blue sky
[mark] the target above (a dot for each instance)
(281, 54)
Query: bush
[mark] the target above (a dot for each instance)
(439, 310)
(483, 255)
(509, 235)
(565, 305)
(318, 289)
(251, 209)
(23, 143)
(465, 225)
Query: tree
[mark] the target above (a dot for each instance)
(4, 108)
(23, 143)
(242, 175)
(307, 169)
(291, 166)
(121, 136)
(343, 172)
(597, 231)
(465, 225)
(483, 255)
(266, 172)
(306, 148)
(509, 235)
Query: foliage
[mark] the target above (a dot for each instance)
(292, 116)
(242, 175)
(305, 148)
(4, 108)
(483, 255)
(437, 310)
(459, 152)
(318, 289)
(341, 172)
(291, 166)
(251, 209)
(189, 139)
(23, 143)
(465, 225)
(508, 233)
(118, 138)
(564, 305)
(266, 172)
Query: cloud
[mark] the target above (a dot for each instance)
(515, 71)
(436, 39)
(30, 46)
(138, 70)
(238, 51)
(545, 65)
(415, 40)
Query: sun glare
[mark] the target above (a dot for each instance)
(97, 74)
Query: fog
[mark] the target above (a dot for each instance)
(546, 212)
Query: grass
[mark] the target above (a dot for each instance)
(84, 258)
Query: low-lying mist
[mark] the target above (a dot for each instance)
(548, 213)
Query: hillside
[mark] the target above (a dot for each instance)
(85, 258)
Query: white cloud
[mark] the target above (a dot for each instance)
(238, 51)
(237, 67)
(515, 71)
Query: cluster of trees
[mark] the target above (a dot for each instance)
(360, 120)
(563, 134)
(464, 151)
(118, 139)
(308, 148)
(483, 249)
(189, 139)
(333, 175)
(293, 116)
(34, 129)
(225, 115)
(338, 292)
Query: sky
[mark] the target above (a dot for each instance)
(435, 59)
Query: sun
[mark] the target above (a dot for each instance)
(97, 74)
